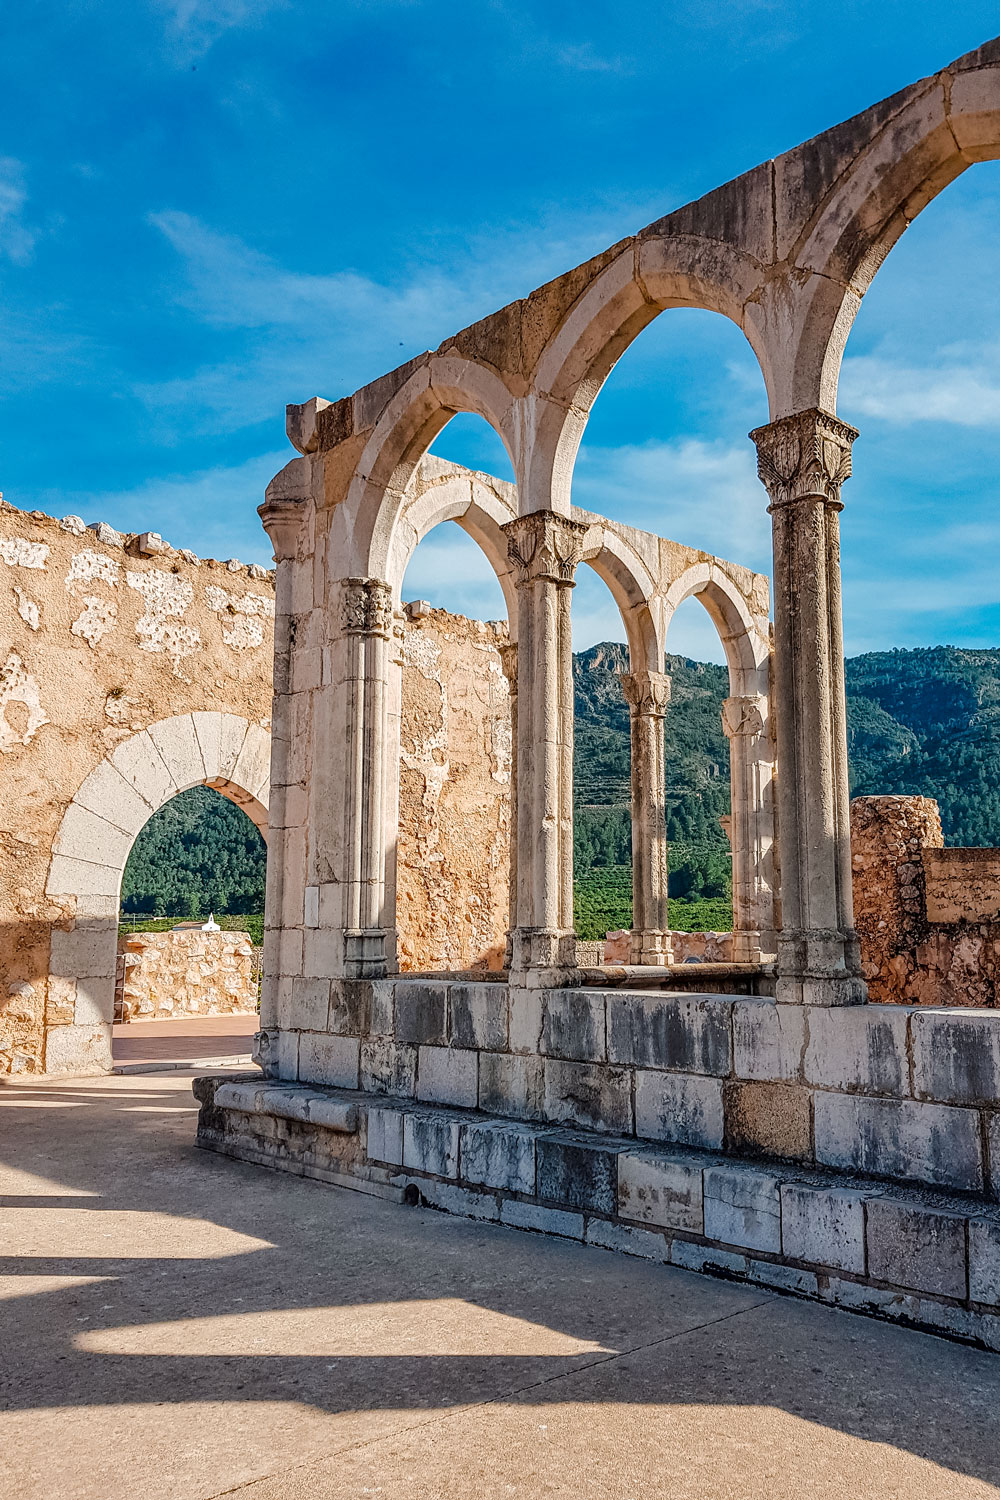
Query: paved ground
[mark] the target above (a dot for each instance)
(188, 1039)
(178, 1325)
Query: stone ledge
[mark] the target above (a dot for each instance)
(923, 1257)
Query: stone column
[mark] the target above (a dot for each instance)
(647, 695)
(284, 897)
(366, 620)
(545, 549)
(750, 827)
(508, 656)
(802, 461)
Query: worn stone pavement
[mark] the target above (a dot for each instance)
(173, 1324)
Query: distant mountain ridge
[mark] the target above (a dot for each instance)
(923, 721)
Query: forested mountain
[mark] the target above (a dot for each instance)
(924, 721)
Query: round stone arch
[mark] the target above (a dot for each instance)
(942, 127)
(411, 421)
(658, 271)
(740, 619)
(631, 585)
(440, 491)
(95, 837)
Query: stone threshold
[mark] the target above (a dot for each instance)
(920, 1257)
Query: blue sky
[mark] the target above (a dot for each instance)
(211, 207)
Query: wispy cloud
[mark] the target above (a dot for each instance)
(17, 238)
(194, 26)
(297, 334)
(704, 494)
(965, 393)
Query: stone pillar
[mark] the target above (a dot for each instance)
(750, 827)
(647, 695)
(802, 461)
(366, 620)
(545, 549)
(284, 897)
(508, 656)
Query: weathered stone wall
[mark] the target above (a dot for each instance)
(454, 794)
(195, 973)
(107, 645)
(928, 918)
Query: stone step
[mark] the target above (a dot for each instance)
(917, 1256)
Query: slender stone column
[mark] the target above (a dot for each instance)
(802, 461)
(366, 621)
(647, 695)
(545, 549)
(751, 827)
(508, 656)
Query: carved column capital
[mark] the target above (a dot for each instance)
(804, 457)
(743, 717)
(544, 545)
(366, 607)
(646, 693)
(508, 660)
(282, 520)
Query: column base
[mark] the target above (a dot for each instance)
(542, 948)
(365, 953)
(651, 948)
(819, 967)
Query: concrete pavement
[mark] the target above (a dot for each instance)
(178, 1325)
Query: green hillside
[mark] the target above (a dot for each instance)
(924, 722)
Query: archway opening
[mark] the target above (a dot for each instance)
(920, 548)
(187, 979)
(665, 450)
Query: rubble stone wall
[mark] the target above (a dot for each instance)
(928, 918)
(170, 974)
(454, 795)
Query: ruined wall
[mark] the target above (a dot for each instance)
(102, 637)
(454, 794)
(194, 973)
(928, 917)
(129, 670)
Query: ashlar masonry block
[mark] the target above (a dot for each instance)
(479, 1016)
(660, 1190)
(498, 1156)
(932, 1143)
(823, 1225)
(917, 1247)
(682, 1107)
(573, 1026)
(956, 1056)
(577, 1174)
(431, 1144)
(686, 1033)
(448, 1075)
(743, 1207)
(590, 1095)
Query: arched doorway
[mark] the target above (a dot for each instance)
(92, 846)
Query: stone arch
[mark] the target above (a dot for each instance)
(95, 837)
(441, 491)
(664, 268)
(924, 138)
(402, 435)
(739, 617)
(631, 584)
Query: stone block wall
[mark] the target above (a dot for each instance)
(928, 918)
(172, 974)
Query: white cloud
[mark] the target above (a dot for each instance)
(965, 394)
(301, 334)
(704, 494)
(17, 240)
